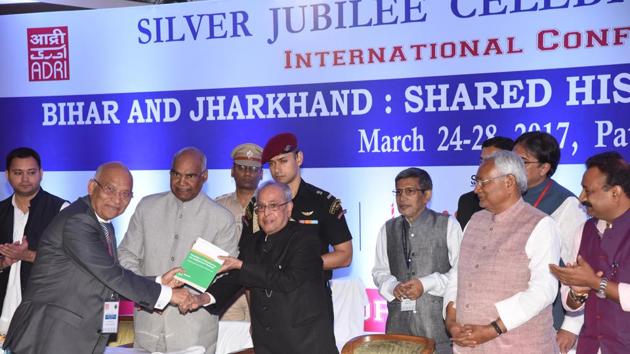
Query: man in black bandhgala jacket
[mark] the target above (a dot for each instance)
(282, 267)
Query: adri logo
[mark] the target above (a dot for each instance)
(48, 57)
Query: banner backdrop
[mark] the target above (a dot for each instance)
(369, 87)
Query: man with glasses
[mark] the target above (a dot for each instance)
(468, 203)
(415, 252)
(23, 218)
(282, 268)
(541, 154)
(247, 173)
(314, 207)
(76, 276)
(498, 299)
(161, 232)
(599, 282)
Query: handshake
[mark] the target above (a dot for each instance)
(185, 301)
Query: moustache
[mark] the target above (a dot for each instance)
(587, 204)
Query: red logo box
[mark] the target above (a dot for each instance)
(48, 53)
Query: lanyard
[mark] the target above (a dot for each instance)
(405, 244)
(542, 194)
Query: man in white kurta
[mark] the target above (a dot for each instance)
(160, 235)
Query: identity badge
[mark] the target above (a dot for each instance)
(110, 317)
(407, 305)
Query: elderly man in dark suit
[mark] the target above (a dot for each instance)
(77, 272)
(282, 268)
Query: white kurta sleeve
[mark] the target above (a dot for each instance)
(542, 249)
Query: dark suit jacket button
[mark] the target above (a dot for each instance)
(268, 328)
(265, 308)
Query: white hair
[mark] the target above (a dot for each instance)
(286, 191)
(509, 163)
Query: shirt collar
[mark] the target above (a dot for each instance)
(192, 203)
(423, 215)
(101, 220)
(538, 188)
(622, 221)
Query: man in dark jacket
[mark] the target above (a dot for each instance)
(76, 276)
(282, 268)
(23, 218)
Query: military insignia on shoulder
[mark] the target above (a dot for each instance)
(319, 192)
(336, 209)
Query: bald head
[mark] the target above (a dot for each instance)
(110, 190)
(188, 173)
(192, 153)
(112, 167)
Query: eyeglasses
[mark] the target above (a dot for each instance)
(526, 162)
(271, 207)
(243, 168)
(187, 176)
(483, 182)
(407, 191)
(112, 191)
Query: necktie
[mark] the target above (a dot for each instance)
(108, 236)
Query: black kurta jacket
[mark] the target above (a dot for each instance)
(288, 295)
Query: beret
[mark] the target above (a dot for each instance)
(279, 144)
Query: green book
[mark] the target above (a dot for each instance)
(201, 265)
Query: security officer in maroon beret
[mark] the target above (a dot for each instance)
(311, 205)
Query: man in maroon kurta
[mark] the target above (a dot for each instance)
(599, 280)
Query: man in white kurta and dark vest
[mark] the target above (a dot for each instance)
(498, 300)
(247, 173)
(415, 252)
(23, 218)
(161, 232)
(541, 155)
(599, 282)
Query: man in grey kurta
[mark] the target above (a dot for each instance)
(414, 254)
(160, 235)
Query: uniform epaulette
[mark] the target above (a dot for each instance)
(222, 196)
(332, 203)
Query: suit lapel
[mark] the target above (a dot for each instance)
(110, 227)
(112, 235)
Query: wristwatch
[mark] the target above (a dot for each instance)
(496, 327)
(601, 292)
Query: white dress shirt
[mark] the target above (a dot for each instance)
(570, 216)
(434, 283)
(13, 296)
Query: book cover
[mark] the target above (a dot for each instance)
(201, 265)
